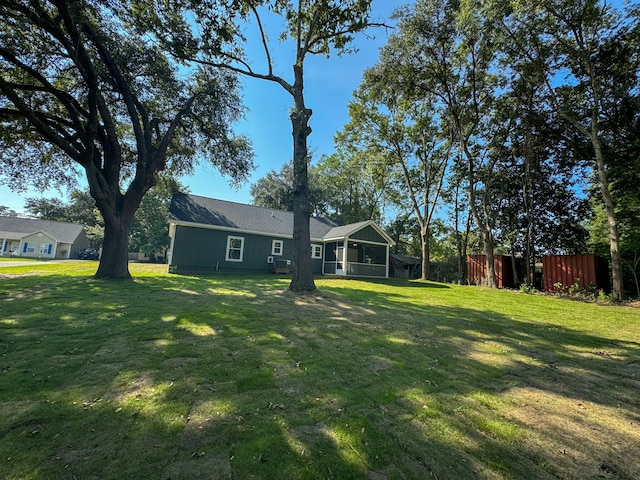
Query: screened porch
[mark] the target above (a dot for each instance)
(356, 259)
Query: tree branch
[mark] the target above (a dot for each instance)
(42, 127)
(265, 45)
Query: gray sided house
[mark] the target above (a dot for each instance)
(26, 237)
(209, 235)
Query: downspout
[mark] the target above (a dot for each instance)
(387, 263)
(345, 256)
(172, 235)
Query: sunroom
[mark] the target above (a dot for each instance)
(357, 250)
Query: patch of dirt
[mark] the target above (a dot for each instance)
(380, 364)
(116, 346)
(569, 437)
(311, 434)
(179, 362)
(200, 465)
(70, 456)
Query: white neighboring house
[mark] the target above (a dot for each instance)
(26, 237)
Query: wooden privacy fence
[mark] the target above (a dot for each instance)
(477, 270)
(558, 271)
(561, 271)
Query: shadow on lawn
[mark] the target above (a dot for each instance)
(183, 377)
(163, 379)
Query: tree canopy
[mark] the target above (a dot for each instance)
(84, 88)
(537, 102)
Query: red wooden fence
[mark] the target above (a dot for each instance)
(566, 270)
(477, 270)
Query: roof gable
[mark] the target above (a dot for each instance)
(41, 233)
(17, 228)
(352, 229)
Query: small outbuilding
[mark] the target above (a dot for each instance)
(28, 237)
(210, 235)
(405, 266)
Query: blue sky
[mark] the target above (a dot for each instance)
(329, 84)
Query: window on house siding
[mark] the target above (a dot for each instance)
(29, 247)
(45, 249)
(276, 247)
(235, 249)
(316, 251)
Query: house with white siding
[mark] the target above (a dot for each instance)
(28, 237)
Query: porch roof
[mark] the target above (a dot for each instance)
(345, 231)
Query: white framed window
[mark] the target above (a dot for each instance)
(277, 247)
(45, 248)
(316, 250)
(29, 247)
(235, 249)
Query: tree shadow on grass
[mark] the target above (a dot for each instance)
(185, 377)
(163, 379)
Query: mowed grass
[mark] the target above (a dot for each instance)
(178, 377)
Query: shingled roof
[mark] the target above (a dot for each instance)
(248, 218)
(16, 227)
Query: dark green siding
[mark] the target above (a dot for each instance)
(204, 250)
(368, 234)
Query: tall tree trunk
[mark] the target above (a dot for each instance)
(465, 245)
(483, 224)
(117, 212)
(531, 262)
(527, 200)
(114, 261)
(514, 266)
(302, 278)
(426, 254)
(461, 258)
(529, 255)
(633, 267)
(614, 238)
(487, 240)
(592, 133)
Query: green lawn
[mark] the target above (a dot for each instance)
(177, 377)
(17, 259)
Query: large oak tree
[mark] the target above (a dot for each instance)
(82, 90)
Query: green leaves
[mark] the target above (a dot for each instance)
(108, 86)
